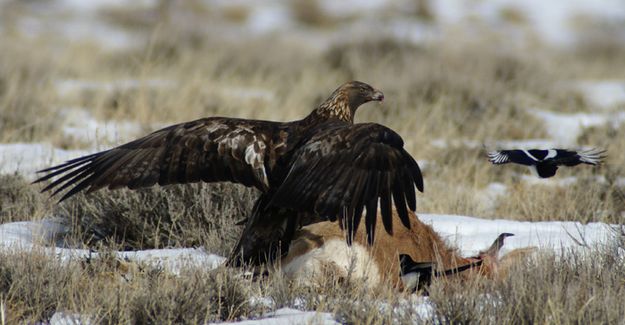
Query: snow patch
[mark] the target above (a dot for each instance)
(446, 143)
(26, 233)
(27, 158)
(29, 235)
(565, 128)
(351, 7)
(503, 144)
(80, 124)
(288, 316)
(550, 20)
(419, 306)
(602, 94)
(472, 234)
(92, 6)
(525, 144)
(552, 181)
(65, 87)
(63, 318)
(249, 93)
(489, 196)
(561, 181)
(268, 18)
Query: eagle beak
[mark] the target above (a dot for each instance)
(377, 96)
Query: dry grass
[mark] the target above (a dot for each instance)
(24, 111)
(34, 286)
(311, 13)
(583, 288)
(19, 200)
(174, 216)
(454, 89)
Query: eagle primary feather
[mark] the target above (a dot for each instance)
(321, 167)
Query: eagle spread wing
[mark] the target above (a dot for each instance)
(210, 150)
(320, 167)
(344, 168)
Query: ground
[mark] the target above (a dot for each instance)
(460, 78)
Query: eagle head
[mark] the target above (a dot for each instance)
(344, 101)
(359, 93)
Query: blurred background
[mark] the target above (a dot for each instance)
(460, 77)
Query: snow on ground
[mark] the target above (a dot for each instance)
(561, 181)
(282, 316)
(33, 235)
(288, 316)
(27, 158)
(65, 87)
(552, 21)
(523, 144)
(471, 234)
(62, 318)
(446, 143)
(565, 128)
(77, 20)
(416, 305)
(602, 94)
(29, 233)
(497, 144)
(79, 124)
(248, 93)
(489, 196)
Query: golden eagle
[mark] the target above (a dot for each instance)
(322, 167)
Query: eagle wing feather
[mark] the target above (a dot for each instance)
(211, 150)
(344, 168)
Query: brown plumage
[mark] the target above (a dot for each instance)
(318, 168)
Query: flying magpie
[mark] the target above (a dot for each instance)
(546, 162)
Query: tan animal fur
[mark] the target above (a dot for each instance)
(321, 248)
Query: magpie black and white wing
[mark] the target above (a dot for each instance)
(209, 150)
(572, 158)
(515, 156)
(344, 169)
